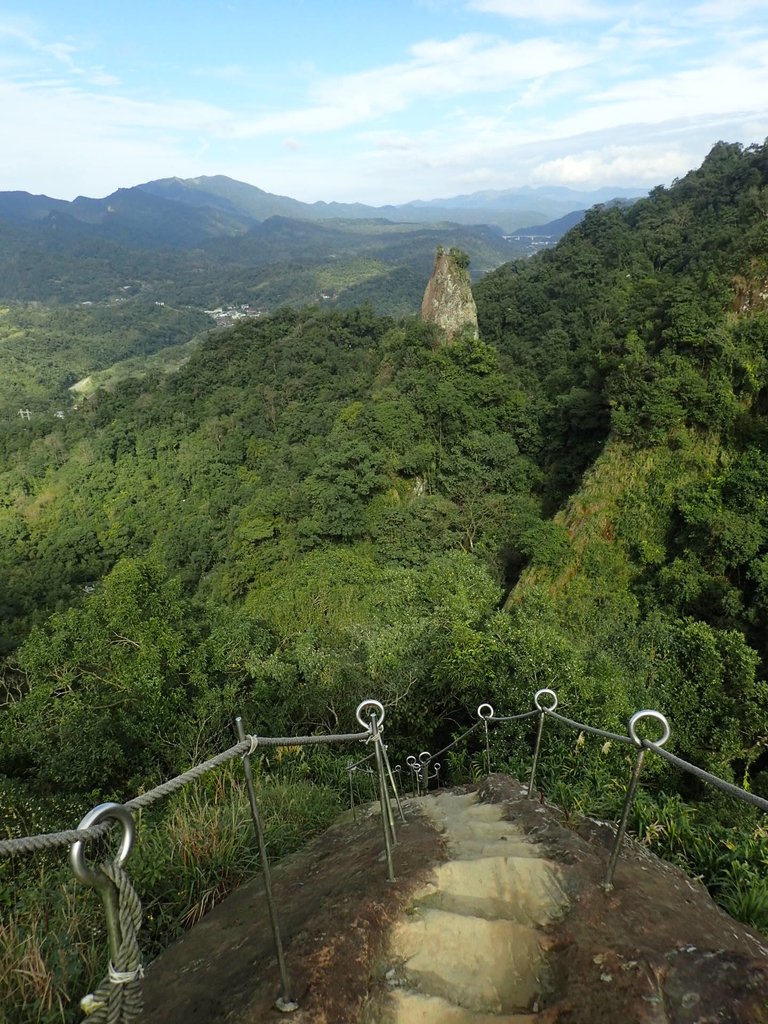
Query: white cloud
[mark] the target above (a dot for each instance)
(551, 10)
(93, 138)
(437, 71)
(726, 10)
(33, 57)
(723, 88)
(613, 164)
(640, 95)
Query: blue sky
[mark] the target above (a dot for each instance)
(375, 101)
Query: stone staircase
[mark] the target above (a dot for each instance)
(472, 947)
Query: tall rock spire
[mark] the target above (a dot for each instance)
(448, 300)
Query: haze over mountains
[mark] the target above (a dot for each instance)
(216, 242)
(224, 206)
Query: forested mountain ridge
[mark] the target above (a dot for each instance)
(353, 435)
(213, 241)
(221, 205)
(274, 262)
(325, 504)
(652, 331)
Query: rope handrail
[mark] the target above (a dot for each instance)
(582, 727)
(118, 997)
(363, 760)
(692, 769)
(727, 787)
(117, 1000)
(715, 780)
(511, 718)
(451, 745)
(52, 840)
(487, 716)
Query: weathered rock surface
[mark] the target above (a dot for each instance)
(474, 940)
(448, 300)
(498, 915)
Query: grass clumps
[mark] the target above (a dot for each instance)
(190, 853)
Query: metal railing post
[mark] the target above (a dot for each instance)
(424, 757)
(392, 781)
(352, 795)
(367, 716)
(284, 1001)
(632, 787)
(542, 710)
(485, 718)
(413, 764)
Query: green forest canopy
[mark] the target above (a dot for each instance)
(326, 505)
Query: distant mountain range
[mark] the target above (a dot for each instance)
(181, 212)
(213, 241)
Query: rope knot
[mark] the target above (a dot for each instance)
(117, 1000)
(124, 977)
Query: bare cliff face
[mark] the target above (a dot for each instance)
(448, 300)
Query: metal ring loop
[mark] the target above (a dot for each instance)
(480, 711)
(649, 714)
(368, 706)
(411, 761)
(424, 756)
(102, 812)
(540, 693)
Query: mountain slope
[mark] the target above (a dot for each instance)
(129, 216)
(218, 204)
(184, 260)
(647, 335)
(506, 210)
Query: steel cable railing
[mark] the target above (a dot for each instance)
(488, 717)
(117, 1000)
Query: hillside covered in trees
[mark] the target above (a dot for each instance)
(326, 505)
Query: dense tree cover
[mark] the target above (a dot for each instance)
(294, 458)
(316, 453)
(323, 505)
(280, 261)
(630, 325)
(644, 338)
(45, 350)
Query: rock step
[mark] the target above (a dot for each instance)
(415, 1008)
(473, 849)
(490, 966)
(474, 906)
(510, 888)
(449, 805)
(491, 828)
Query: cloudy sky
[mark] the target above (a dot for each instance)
(371, 101)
